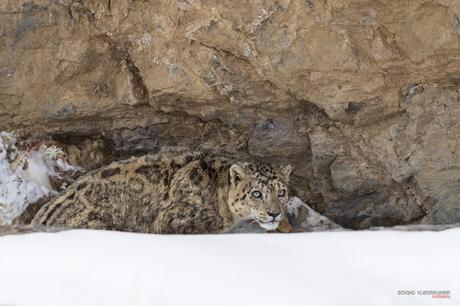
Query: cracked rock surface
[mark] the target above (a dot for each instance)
(361, 97)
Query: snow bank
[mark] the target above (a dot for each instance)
(367, 268)
(25, 174)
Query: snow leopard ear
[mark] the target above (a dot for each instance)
(236, 174)
(286, 172)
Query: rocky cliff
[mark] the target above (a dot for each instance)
(362, 97)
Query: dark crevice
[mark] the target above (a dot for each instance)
(122, 55)
(140, 91)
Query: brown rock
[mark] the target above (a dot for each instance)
(363, 95)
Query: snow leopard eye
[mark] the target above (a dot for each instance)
(281, 193)
(256, 194)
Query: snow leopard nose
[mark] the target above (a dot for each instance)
(273, 214)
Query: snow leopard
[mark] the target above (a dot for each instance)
(172, 193)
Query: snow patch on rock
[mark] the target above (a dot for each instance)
(304, 218)
(26, 175)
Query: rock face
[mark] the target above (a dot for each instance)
(361, 97)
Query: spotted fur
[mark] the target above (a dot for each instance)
(170, 193)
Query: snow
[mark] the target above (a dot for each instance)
(312, 221)
(343, 268)
(25, 175)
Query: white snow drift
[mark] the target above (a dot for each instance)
(91, 268)
(25, 175)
